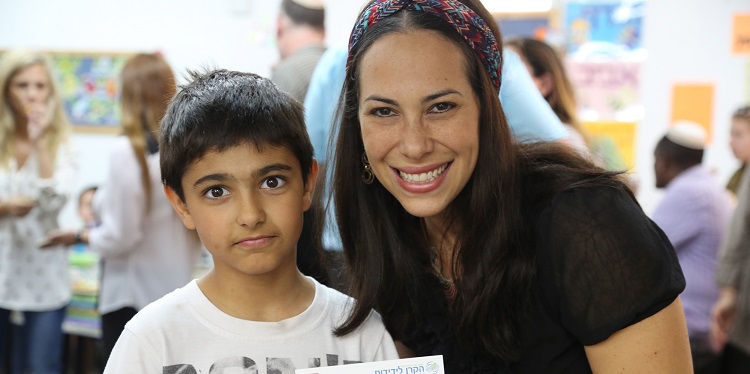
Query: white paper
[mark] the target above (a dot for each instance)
(415, 365)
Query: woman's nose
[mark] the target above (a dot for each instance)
(415, 139)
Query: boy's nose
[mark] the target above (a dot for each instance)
(251, 212)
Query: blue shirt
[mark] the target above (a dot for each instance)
(695, 213)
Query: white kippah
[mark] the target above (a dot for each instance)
(687, 134)
(310, 4)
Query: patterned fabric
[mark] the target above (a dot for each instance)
(468, 24)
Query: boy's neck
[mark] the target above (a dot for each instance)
(262, 298)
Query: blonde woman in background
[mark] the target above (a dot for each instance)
(549, 75)
(146, 251)
(36, 179)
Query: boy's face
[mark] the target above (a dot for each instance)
(247, 207)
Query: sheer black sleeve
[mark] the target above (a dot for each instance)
(603, 265)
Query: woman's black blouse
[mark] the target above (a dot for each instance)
(602, 265)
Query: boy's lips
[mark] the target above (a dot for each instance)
(254, 241)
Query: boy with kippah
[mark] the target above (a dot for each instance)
(238, 168)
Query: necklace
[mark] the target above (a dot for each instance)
(449, 287)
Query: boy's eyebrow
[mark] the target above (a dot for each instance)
(271, 168)
(222, 177)
(219, 177)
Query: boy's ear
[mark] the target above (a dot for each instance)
(310, 186)
(179, 207)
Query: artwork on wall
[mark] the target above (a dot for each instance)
(607, 89)
(694, 102)
(89, 84)
(609, 26)
(90, 87)
(741, 34)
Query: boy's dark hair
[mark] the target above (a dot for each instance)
(221, 109)
(303, 15)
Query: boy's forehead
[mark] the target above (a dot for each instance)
(246, 156)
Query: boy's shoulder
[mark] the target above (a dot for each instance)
(341, 306)
(164, 312)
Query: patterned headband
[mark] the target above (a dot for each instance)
(465, 21)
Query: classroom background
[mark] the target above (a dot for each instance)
(658, 60)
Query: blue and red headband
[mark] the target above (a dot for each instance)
(472, 28)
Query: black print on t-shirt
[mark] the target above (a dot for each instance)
(274, 365)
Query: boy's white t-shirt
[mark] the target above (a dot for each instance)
(183, 332)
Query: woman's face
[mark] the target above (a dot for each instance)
(28, 88)
(740, 139)
(420, 119)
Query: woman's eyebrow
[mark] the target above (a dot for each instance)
(439, 94)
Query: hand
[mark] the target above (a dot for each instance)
(20, 206)
(40, 118)
(58, 237)
(723, 316)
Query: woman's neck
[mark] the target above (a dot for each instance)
(442, 241)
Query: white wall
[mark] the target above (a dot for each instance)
(687, 41)
(232, 34)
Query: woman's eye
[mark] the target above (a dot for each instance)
(273, 182)
(442, 107)
(382, 112)
(216, 192)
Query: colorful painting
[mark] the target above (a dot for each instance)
(617, 23)
(606, 89)
(89, 85)
(613, 142)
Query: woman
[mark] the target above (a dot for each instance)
(549, 74)
(145, 249)
(36, 179)
(740, 143)
(730, 315)
(501, 257)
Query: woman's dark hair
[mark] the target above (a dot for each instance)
(386, 248)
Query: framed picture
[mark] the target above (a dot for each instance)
(89, 84)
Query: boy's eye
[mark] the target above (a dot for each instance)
(215, 192)
(273, 182)
(442, 107)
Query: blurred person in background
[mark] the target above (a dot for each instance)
(730, 324)
(740, 143)
(549, 74)
(145, 249)
(36, 179)
(300, 33)
(694, 213)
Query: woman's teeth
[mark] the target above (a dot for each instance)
(424, 177)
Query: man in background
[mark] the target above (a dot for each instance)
(694, 213)
(300, 34)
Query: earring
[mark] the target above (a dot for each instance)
(367, 175)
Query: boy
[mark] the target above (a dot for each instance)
(237, 166)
